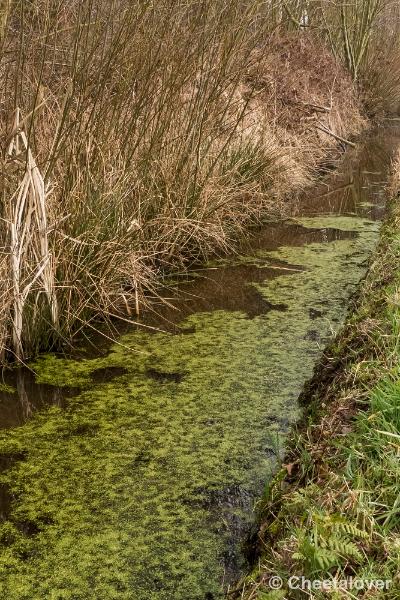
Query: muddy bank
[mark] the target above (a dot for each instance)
(140, 477)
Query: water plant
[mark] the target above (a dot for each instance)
(144, 484)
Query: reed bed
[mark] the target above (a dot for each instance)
(138, 138)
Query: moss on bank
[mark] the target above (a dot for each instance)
(333, 511)
(142, 486)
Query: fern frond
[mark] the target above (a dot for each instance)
(344, 548)
(350, 529)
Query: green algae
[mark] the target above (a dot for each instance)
(143, 486)
(341, 222)
(6, 388)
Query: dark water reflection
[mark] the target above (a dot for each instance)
(25, 396)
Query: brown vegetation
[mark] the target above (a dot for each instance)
(380, 72)
(155, 136)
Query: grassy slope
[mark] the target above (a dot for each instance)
(333, 510)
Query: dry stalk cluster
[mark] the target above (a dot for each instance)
(25, 219)
(147, 136)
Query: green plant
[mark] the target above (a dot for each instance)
(329, 542)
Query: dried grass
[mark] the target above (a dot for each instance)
(153, 137)
(394, 183)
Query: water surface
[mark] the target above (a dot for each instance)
(132, 472)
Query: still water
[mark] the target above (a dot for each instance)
(133, 471)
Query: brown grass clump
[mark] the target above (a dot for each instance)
(394, 183)
(380, 72)
(153, 137)
(302, 87)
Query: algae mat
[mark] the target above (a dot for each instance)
(144, 485)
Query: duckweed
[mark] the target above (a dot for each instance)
(144, 486)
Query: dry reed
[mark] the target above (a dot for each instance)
(151, 136)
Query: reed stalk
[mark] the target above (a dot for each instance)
(5, 8)
(147, 143)
(30, 257)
